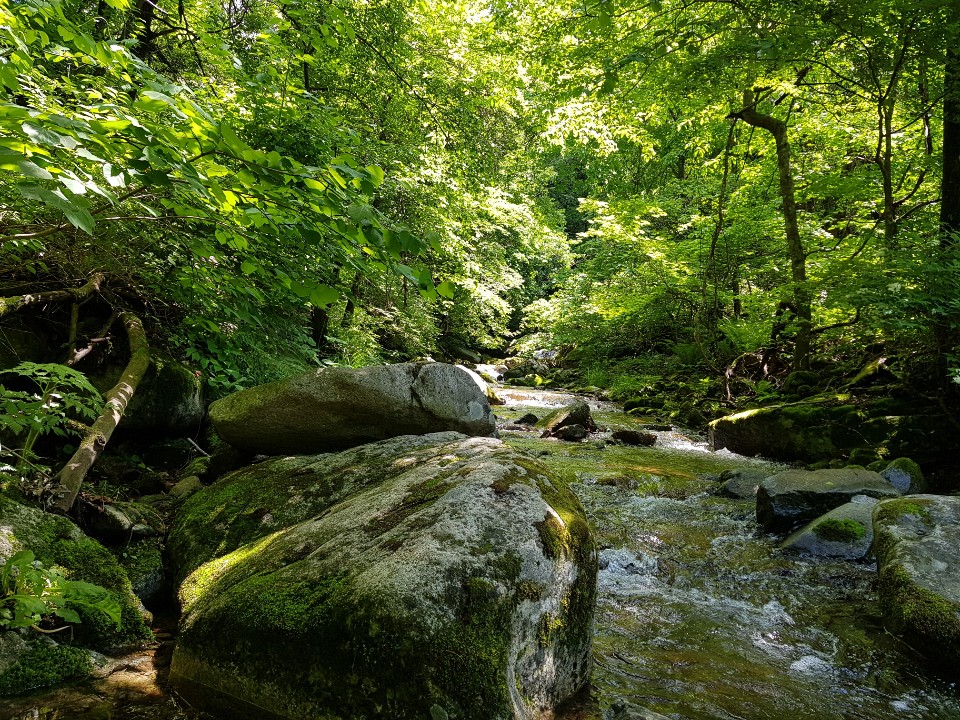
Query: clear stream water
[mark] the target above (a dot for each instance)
(699, 617)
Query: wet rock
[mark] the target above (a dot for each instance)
(635, 437)
(417, 577)
(576, 413)
(741, 484)
(332, 409)
(528, 419)
(918, 568)
(571, 433)
(905, 475)
(845, 532)
(789, 498)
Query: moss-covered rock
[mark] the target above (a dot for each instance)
(906, 476)
(790, 498)
(59, 543)
(36, 662)
(429, 577)
(143, 562)
(332, 409)
(168, 401)
(844, 532)
(828, 427)
(918, 569)
(576, 413)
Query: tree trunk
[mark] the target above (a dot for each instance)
(72, 475)
(798, 258)
(950, 189)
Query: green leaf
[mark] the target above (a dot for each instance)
(322, 295)
(446, 289)
(31, 169)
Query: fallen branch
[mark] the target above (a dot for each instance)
(12, 304)
(70, 478)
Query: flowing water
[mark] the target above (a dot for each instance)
(699, 617)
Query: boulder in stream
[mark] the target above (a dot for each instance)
(576, 413)
(918, 566)
(436, 576)
(790, 498)
(905, 475)
(845, 532)
(635, 437)
(332, 409)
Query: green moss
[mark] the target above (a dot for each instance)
(417, 497)
(837, 530)
(909, 608)
(44, 665)
(893, 510)
(57, 542)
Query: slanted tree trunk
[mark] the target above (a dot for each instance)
(798, 258)
(12, 304)
(70, 478)
(950, 188)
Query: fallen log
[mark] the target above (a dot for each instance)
(12, 304)
(70, 478)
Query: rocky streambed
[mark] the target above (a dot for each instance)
(700, 615)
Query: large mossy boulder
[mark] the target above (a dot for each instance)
(58, 543)
(419, 577)
(828, 427)
(917, 542)
(790, 498)
(332, 409)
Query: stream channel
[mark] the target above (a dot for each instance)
(699, 617)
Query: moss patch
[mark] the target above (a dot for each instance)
(837, 530)
(45, 665)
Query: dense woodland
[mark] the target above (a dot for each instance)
(714, 193)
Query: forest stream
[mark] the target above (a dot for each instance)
(699, 616)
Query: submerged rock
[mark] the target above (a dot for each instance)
(789, 498)
(419, 577)
(333, 409)
(918, 566)
(844, 532)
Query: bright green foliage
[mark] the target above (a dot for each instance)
(61, 394)
(30, 594)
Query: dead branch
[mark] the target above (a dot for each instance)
(71, 476)
(12, 304)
